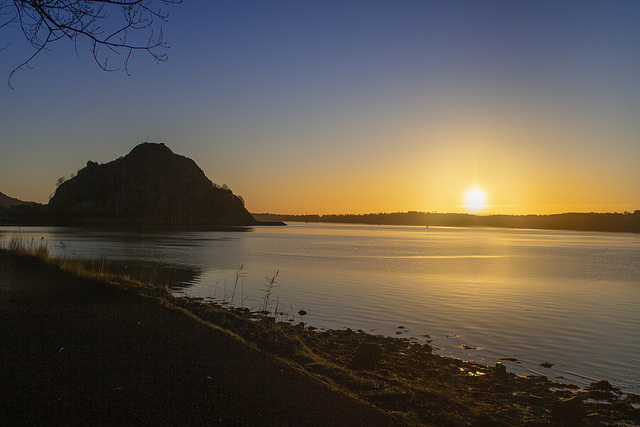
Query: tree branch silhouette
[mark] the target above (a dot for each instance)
(112, 27)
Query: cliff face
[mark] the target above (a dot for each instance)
(149, 186)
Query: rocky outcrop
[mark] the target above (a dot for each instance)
(149, 186)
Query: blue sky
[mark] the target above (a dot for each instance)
(353, 107)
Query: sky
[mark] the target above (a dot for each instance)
(322, 107)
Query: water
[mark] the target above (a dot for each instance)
(568, 298)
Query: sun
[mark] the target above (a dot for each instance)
(475, 199)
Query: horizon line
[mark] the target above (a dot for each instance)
(634, 212)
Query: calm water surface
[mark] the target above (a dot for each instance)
(568, 298)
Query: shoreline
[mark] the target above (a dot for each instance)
(79, 350)
(403, 379)
(625, 222)
(572, 221)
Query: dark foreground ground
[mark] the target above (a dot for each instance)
(82, 352)
(77, 351)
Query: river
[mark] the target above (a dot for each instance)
(570, 299)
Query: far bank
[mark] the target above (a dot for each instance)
(609, 222)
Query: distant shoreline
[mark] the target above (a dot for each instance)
(626, 222)
(604, 222)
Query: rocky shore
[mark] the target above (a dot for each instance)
(406, 379)
(84, 350)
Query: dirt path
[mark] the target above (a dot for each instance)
(83, 352)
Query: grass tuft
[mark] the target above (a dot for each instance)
(22, 246)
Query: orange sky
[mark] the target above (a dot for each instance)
(354, 107)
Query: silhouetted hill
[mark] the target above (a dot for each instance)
(149, 186)
(6, 201)
(11, 207)
(617, 222)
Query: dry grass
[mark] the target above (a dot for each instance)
(22, 246)
(154, 281)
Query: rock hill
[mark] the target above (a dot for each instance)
(16, 211)
(149, 186)
(6, 201)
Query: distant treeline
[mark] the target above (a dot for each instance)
(616, 222)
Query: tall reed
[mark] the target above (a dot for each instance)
(22, 246)
(267, 290)
(239, 275)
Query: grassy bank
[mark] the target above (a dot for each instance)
(401, 377)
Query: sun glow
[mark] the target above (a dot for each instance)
(475, 200)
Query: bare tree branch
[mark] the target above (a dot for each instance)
(112, 27)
